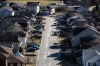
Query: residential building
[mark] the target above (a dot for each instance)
(86, 32)
(7, 58)
(33, 6)
(6, 11)
(91, 56)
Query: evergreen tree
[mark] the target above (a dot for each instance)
(93, 2)
(97, 7)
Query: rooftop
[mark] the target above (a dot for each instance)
(6, 50)
(10, 36)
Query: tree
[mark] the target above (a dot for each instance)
(93, 2)
(97, 7)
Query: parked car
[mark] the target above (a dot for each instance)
(55, 45)
(54, 33)
(32, 47)
(54, 25)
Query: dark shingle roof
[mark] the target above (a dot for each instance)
(80, 22)
(10, 36)
(88, 42)
(17, 5)
(27, 13)
(13, 26)
(78, 30)
(15, 19)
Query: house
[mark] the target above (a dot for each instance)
(86, 32)
(12, 26)
(17, 6)
(7, 58)
(86, 44)
(6, 11)
(33, 6)
(4, 3)
(91, 56)
(19, 27)
(13, 39)
(26, 24)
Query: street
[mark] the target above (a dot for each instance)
(47, 56)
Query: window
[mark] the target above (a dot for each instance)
(15, 64)
(91, 64)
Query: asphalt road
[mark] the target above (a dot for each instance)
(48, 56)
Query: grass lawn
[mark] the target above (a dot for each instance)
(34, 40)
(60, 39)
(43, 2)
(31, 61)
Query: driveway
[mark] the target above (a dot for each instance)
(47, 56)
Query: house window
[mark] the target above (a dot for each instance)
(8, 64)
(15, 64)
(91, 64)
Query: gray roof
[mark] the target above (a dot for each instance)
(81, 8)
(11, 36)
(13, 26)
(15, 19)
(80, 22)
(18, 5)
(6, 8)
(82, 19)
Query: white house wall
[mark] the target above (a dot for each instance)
(23, 41)
(37, 9)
